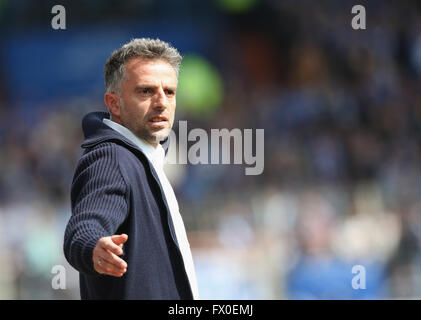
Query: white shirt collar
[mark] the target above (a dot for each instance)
(155, 155)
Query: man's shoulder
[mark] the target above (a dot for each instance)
(116, 154)
(99, 155)
(107, 148)
(101, 150)
(111, 159)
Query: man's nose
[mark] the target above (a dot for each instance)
(160, 99)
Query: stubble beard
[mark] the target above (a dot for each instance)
(151, 136)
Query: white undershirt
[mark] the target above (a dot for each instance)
(156, 157)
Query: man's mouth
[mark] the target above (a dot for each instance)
(158, 120)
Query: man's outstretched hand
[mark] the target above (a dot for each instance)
(105, 255)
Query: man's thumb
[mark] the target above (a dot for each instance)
(119, 238)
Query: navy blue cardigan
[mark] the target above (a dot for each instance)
(116, 190)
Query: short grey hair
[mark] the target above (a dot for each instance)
(114, 69)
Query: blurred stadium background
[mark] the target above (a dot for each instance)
(341, 111)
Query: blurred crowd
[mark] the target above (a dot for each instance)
(341, 186)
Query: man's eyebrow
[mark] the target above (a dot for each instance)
(153, 86)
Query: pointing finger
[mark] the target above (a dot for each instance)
(119, 239)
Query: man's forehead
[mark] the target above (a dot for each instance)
(148, 65)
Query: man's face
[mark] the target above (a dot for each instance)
(147, 101)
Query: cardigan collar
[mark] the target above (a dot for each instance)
(155, 155)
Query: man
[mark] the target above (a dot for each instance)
(126, 236)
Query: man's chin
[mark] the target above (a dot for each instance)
(161, 138)
(157, 137)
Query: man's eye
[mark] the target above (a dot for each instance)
(146, 91)
(170, 92)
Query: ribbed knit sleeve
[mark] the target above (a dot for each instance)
(99, 205)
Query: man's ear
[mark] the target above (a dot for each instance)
(113, 103)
